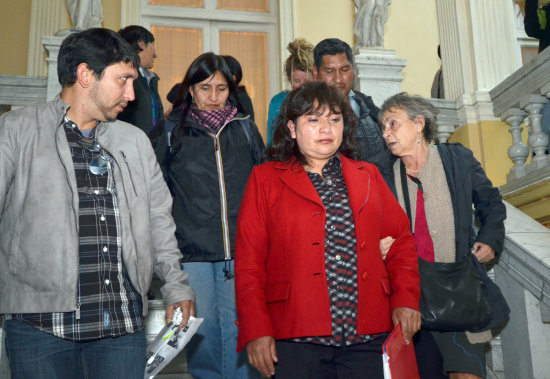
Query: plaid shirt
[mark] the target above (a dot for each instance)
(340, 257)
(107, 303)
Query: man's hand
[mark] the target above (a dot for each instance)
(262, 355)
(484, 253)
(410, 321)
(187, 309)
(385, 244)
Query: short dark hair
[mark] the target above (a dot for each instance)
(203, 67)
(311, 98)
(133, 34)
(234, 67)
(98, 48)
(414, 105)
(331, 46)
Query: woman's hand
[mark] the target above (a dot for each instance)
(385, 244)
(262, 355)
(484, 253)
(410, 320)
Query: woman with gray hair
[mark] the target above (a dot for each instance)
(437, 185)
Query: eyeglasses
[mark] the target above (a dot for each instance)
(98, 164)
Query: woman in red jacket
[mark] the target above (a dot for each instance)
(313, 292)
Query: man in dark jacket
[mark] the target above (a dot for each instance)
(146, 110)
(333, 64)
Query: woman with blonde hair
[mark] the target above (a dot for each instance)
(298, 70)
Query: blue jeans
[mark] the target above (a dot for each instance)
(39, 355)
(211, 353)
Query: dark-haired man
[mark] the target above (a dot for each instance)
(146, 110)
(333, 64)
(85, 218)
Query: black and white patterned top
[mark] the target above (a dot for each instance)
(107, 303)
(340, 257)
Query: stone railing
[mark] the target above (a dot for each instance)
(518, 101)
(448, 120)
(16, 91)
(523, 275)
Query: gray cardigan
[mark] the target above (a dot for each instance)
(39, 240)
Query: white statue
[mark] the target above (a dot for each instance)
(85, 14)
(370, 17)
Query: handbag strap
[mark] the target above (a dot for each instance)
(405, 189)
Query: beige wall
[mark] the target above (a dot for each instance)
(411, 31)
(489, 141)
(111, 14)
(14, 36)
(14, 32)
(320, 19)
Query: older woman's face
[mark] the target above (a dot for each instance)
(211, 93)
(400, 132)
(318, 135)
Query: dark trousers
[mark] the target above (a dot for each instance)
(428, 356)
(302, 360)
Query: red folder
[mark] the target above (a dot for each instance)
(399, 358)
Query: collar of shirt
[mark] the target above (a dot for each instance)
(333, 166)
(147, 74)
(87, 133)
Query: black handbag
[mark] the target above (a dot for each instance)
(452, 295)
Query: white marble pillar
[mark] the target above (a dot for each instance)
(538, 140)
(518, 151)
(379, 72)
(52, 44)
(47, 17)
(447, 119)
(479, 46)
(130, 12)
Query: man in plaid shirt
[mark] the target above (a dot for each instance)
(85, 219)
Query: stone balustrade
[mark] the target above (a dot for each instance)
(519, 100)
(18, 91)
(448, 120)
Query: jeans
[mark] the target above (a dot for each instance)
(39, 355)
(211, 353)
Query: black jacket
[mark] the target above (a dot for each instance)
(468, 184)
(532, 24)
(207, 176)
(367, 132)
(140, 111)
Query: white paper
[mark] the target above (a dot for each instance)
(168, 343)
(386, 364)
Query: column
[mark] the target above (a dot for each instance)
(52, 44)
(479, 48)
(538, 140)
(129, 13)
(518, 151)
(47, 17)
(379, 72)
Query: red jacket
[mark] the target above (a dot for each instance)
(281, 284)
